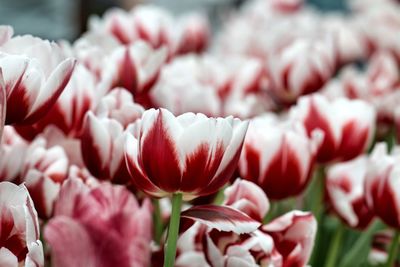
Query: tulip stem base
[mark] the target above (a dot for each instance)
(393, 249)
(335, 247)
(173, 230)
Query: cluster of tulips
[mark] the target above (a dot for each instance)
(153, 140)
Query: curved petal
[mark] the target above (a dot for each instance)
(222, 218)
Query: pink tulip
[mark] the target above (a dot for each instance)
(20, 243)
(99, 227)
(293, 235)
(276, 154)
(190, 154)
(102, 147)
(345, 191)
(348, 125)
(248, 198)
(381, 185)
(35, 74)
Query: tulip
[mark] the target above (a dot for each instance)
(43, 171)
(380, 185)
(35, 74)
(285, 242)
(157, 27)
(135, 67)
(382, 192)
(348, 125)
(102, 147)
(248, 198)
(68, 112)
(276, 154)
(300, 68)
(6, 32)
(99, 226)
(345, 191)
(189, 154)
(293, 234)
(20, 243)
(119, 105)
(185, 156)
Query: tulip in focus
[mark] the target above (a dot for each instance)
(277, 154)
(20, 243)
(100, 226)
(345, 191)
(189, 154)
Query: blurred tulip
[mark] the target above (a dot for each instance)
(205, 77)
(345, 191)
(157, 27)
(12, 155)
(68, 112)
(135, 67)
(276, 154)
(102, 147)
(119, 105)
(248, 198)
(189, 154)
(293, 234)
(6, 32)
(348, 125)
(379, 248)
(20, 243)
(43, 171)
(301, 68)
(99, 227)
(381, 185)
(35, 74)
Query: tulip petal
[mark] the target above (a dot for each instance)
(222, 218)
(70, 243)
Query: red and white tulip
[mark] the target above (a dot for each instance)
(35, 73)
(20, 238)
(345, 190)
(189, 154)
(348, 125)
(381, 185)
(276, 154)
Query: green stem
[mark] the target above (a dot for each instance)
(335, 247)
(158, 223)
(173, 230)
(393, 250)
(360, 248)
(271, 213)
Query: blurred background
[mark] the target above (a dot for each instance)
(67, 19)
